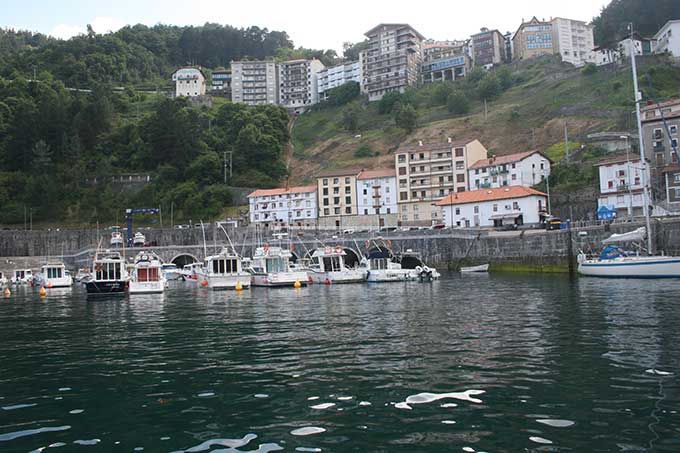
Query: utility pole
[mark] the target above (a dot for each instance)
(172, 214)
(533, 138)
(231, 153)
(486, 110)
(566, 140)
(643, 161)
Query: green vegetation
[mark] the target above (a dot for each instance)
(648, 16)
(363, 151)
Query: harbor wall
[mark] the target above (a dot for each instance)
(530, 250)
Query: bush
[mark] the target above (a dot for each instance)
(457, 103)
(405, 117)
(589, 69)
(350, 119)
(363, 151)
(343, 94)
(440, 93)
(616, 86)
(504, 77)
(489, 88)
(514, 115)
(388, 101)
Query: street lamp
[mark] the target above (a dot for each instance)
(547, 184)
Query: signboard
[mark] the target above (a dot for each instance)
(448, 63)
(606, 213)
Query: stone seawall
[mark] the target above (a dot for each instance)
(531, 250)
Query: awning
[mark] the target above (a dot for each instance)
(632, 236)
(504, 216)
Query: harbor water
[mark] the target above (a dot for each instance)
(474, 363)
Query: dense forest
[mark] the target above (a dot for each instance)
(647, 16)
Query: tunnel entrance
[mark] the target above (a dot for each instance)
(182, 260)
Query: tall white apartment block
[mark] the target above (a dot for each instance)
(294, 206)
(254, 82)
(298, 83)
(573, 40)
(377, 192)
(189, 82)
(520, 169)
(335, 76)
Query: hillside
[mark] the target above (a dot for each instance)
(530, 114)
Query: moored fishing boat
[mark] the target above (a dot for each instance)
(109, 275)
(22, 277)
(190, 272)
(224, 271)
(418, 270)
(55, 275)
(171, 272)
(379, 266)
(116, 238)
(147, 276)
(475, 269)
(328, 266)
(270, 266)
(138, 240)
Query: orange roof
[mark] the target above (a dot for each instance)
(500, 160)
(654, 105)
(282, 191)
(374, 174)
(478, 196)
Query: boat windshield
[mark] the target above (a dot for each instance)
(54, 272)
(150, 274)
(332, 264)
(108, 271)
(225, 266)
(277, 265)
(379, 263)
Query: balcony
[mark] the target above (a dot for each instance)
(659, 148)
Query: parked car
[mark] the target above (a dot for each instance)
(348, 231)
(509, 227)
(553, 223)
(439, 226)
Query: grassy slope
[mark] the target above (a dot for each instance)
(546, 92)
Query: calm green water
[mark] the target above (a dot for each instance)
(564, 366)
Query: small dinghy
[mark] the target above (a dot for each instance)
(471, 269)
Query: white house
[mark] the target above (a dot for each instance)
(521, 169)
(335, 76)
(377, 192)
(668, 38)
(517, 205)
(189, 82)
(607, 54)
(621, 185)
(276, 208)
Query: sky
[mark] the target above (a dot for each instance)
(315, 24)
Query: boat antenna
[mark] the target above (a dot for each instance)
(205, 246)
(643, 162)
(231, 244)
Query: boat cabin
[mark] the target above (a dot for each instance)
(271, 260)
(223, 265)
(23, 274)
(52, 271)
(329, 259)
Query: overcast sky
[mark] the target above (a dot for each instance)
(316, 24)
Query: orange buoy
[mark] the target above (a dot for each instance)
(204, 283)
(43, 291)
(238, 287)
(7, 292)
(297, 284)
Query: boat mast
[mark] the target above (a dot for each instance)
(643, 161)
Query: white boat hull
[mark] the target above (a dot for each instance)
(388, 275)
(430, 274)
(146, 287)
(62, 282)
(346, 276)
(632, 267)
(279, 279)
(482, 268)
(172, 275)
(227, 281)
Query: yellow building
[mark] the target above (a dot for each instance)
(532, 39)
(426, 173)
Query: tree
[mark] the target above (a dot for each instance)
(406, 117)
(351, 51)
(441, 92)
(648, 16)
(388, 101)
(504, 77)
(458, 103)
(343, 94)
(489, 87)
(350, 119)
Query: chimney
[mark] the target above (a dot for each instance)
(448, 139)
(420, 143)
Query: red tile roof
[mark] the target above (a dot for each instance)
(618, 159)
(478, 196)
(281, 191)
(415, 147)
(374, 174)
(654, 105)
(507, 159)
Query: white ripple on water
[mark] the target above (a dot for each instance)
(307, 431)
(448, 422)
(344, 398)
(205, 394)
(308, 449)
(18, 406)
(540, 440)
(231, 443)
(658, 372)
(64, 389)
(364, 403)
(261, 395)
(87, 442)
(32, 432)
(468, 449)
(76, 411)
(447, 405)
(557, 423)
(322, 406)
(403, 405)
(425, 397)
(312, 398)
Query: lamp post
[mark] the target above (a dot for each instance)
(547, 184)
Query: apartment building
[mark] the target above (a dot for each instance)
(377, 192)
(284, 207)
(520, 169)
(426, 173)
(621, 185)
(667, 39)
(221, 81)
(337, 75)
(446, 68)
(433, 50)
(493, 207)
(532, 39)
(337, 196)
(488, 48)
(189, 82)
(574, 41)
(254, 82)
(660, 144)
(298, 84)
(392, 60)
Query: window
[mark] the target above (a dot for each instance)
(325, 202)
(457, 211)
(325, 182)
(336, 200)
(402, 171)
(657, 133)
(673, 129)
(495, 208)
(348, 200)
(336, 211)
(348, 189)
(460, 152)
(514, 177)
(423, 194)
(477, 171)
(325, 191)
(515, 205)
(389, 211)
(460, 178)
(365, 211)
(387, 189)
(403, 196)
(401, 158)
(610, 184)
(346, 180)
(336, 181)
(513, 166)
(674, 143)
(326, 211)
